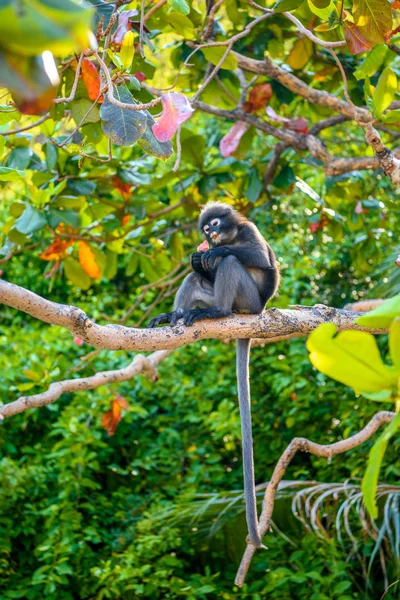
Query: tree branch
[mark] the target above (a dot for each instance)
(304, 445)
(140, 364)
(270, 324)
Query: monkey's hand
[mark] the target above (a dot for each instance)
(195, 261)
(211, 259)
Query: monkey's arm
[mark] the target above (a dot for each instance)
(249, 256)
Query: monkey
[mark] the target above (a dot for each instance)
(238, 274)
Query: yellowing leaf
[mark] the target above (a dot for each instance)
(352, 357)
(214, 55)
(300, 53)
(88, 261)
(373, 18)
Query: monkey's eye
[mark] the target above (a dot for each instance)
(215, 222)
(206, 229)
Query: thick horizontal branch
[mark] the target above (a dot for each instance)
(304, 445)
(140, 364)
(270, 324)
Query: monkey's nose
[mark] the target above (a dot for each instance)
(214, 235)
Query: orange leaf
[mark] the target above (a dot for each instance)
(356, 42)
(88, 261)
(396, 5)
(258, 97)
(56, 250)
(111, 418)
(37, 105)
(121, 186)
(121, 401)
(91, 78)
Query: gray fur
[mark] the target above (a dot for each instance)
(238, 274)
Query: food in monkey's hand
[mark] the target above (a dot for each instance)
(195, 259)
(203, 246)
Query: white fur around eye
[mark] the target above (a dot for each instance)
(206, 229)
(215, 222)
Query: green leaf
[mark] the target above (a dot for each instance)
(382, 316)
(19, 158)
(111, 265)
(81, 109)
(30, 221)
(372, 63)
(341, 587)
(133, 264)
(287, 5)
(370, 479)
(214, 55)
(391, 116)
(254, 187)
(76, 274)
(321, 3)
(180, 6)
(135, 83)
(150, 144)
(351, 357)
(373, 18)
(7, 174)
(51, 155)
(384, 91)
(123, 126)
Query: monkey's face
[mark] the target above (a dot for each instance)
(220, 230)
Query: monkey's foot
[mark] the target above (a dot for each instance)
(172, 318)
(160, 320)
(198, 314)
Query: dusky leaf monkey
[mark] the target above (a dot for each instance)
(239, 273)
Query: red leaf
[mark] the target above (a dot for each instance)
(140, 76)
(124, 25)
(91, 78)
(356, 42)
(300, 124)
(176, 110)
(78, 341)
(203, 247)
(258, 97)
(231, 140)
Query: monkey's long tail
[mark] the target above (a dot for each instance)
(243, 382)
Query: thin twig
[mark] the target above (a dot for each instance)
(74, 85)
(31, 126)
(110, 95)
(153, 9)
(141, 30)
(208, 30)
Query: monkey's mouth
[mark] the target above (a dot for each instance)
(214, 237)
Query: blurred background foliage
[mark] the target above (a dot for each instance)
(89, 515)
